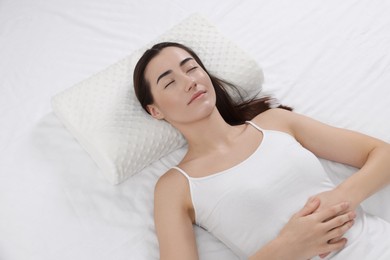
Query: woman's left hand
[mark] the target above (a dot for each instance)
(332, 197)
(328, 199)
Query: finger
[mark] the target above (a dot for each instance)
(334, 240)
(340, 220)
(339, 231)
(335, 246)
(324, 255)
(332, 212)
(311, 205)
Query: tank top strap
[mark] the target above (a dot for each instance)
(255, 126)
(182, 172)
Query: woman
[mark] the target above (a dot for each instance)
(249, 168)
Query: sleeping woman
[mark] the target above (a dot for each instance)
(251, 175)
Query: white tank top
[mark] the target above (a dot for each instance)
(247, 205)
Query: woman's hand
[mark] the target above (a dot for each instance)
(310, 231)
(333, 197)
(329, 198)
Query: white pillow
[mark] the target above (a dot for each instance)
(104, 115)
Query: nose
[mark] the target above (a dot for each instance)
(190, 84)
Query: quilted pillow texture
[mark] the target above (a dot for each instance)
(103, 113)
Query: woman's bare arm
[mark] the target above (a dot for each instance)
(173, 218)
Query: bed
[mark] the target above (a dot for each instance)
(327, 59)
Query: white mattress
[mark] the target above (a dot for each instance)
(328, 59)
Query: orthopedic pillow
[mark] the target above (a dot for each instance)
(103, 113)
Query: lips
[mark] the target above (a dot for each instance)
(196, 95)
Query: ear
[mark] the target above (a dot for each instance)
(155, 112)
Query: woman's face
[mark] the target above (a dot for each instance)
(181, 89)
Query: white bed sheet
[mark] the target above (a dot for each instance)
(328, 59)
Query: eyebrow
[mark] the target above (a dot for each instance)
(170, 71)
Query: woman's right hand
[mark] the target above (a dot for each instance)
(309, 233)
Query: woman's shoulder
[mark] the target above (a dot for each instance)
(275, 119)
(171, 178)
(172, 195)
(173, 186)
(278, 112)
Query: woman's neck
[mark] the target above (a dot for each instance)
(210, 133)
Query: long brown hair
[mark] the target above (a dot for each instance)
(233, 112)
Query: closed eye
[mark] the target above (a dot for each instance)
(169, 84)
(193, 68)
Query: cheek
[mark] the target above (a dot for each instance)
(205, 80)
(167, 102)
